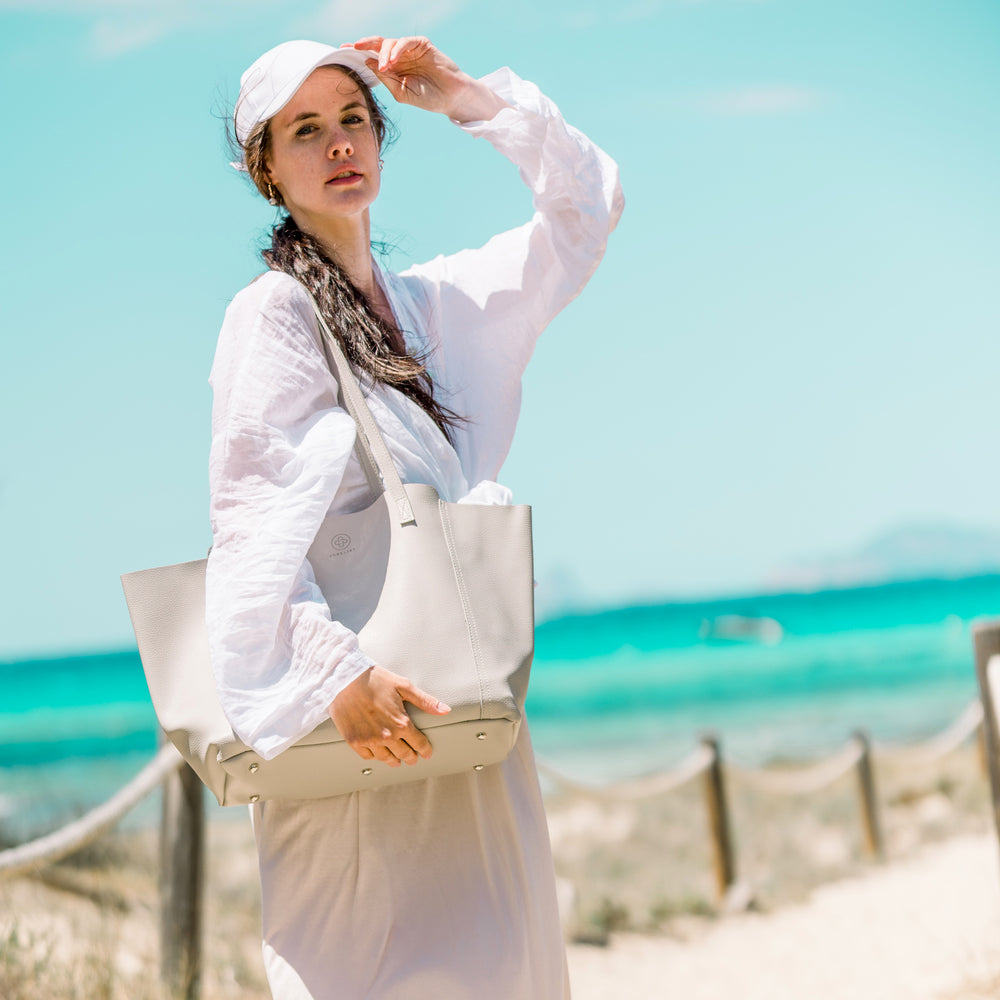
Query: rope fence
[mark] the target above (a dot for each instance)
(858, 754)
(181, 844)
(802, 780)
(932, 750)
(636, 788)
(76, 835)
(182, 820)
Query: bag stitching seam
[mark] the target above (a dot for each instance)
(470, 623)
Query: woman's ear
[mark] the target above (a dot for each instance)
(272, 194)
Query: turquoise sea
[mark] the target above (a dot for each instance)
(613, 694)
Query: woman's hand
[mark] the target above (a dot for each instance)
(416, 73)
(369, 714)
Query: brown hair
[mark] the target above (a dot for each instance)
(373, 346)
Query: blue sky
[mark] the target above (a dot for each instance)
(790, 348)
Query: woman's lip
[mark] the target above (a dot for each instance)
(349, 179)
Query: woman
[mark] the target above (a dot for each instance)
(442, 887)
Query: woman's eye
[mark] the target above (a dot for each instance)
(353, 120)
(305, 130)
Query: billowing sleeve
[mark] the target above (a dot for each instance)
(280, 445)
(486, 307)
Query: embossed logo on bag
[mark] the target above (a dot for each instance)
(341, 544)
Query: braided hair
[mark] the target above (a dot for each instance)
(373, 346)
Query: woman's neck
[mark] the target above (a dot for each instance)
(348, 242)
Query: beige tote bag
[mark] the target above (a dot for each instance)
(438, 592)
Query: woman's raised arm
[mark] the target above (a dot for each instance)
(483, 309)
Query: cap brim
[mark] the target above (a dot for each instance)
(351, 58)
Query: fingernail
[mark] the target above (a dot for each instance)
(443, 707)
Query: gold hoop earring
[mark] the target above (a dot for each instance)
(271, 199)
(381, 163)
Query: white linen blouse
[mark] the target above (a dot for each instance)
(281, 456)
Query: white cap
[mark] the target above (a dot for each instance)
(271, 82)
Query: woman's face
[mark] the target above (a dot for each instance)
(323, 153)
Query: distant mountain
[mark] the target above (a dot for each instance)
(914, 552)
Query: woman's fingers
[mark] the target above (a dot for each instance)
(415, 46)
(371, 716)
(385, 49)
(384, 754)
(405, 741)
(396, 752)
(418, 74)
(370, 42)
(389, 50)
(406, 752)
(413, 71)
(415, 696)
(419, 744)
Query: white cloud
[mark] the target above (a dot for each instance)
(118, 26)
(121, 25)
(111, 36)
(759, 100)
(345, 20)
(585, 19)
(71, 6)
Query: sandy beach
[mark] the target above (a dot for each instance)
(639, 905)
(923, 929)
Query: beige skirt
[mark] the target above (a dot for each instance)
(441, 888)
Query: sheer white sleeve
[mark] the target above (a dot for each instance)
(487, 307)
(280, 445)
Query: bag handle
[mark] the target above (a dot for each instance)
(373, 452)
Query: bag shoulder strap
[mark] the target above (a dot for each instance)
(372, 450)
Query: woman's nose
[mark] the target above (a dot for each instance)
(340, 146)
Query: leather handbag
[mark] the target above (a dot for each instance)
(439, 592)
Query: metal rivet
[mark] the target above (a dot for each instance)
(366, 770)
(255, 798)
(477, 767)
(480, 736)
(254, 768)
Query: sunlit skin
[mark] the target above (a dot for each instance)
(324, 160)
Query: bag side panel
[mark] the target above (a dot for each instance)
(493, 547)
(167, 607)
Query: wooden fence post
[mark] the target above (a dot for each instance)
(182, 835)
(718, 820)
(986, 642)
(874, 845)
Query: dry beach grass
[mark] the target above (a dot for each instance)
(636, 879)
